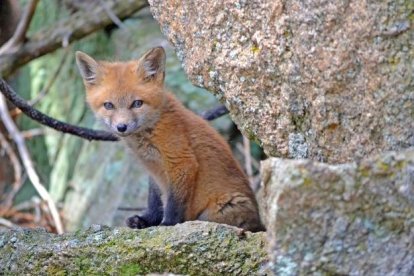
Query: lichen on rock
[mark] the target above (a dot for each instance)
(191, 248)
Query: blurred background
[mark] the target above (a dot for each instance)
(90, 182)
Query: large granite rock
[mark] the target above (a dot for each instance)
(192, 248)
(351, 219)
(326, 80)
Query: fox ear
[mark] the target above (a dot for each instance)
(152, 65)
(88, 67)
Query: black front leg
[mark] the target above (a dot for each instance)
(174, 211)
(153, 214)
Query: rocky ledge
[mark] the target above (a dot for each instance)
(193, 248)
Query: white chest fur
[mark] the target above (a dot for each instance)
(149, 157)
(143, 149)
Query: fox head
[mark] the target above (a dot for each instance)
(127, 96)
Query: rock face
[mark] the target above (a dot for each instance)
(192, 248)
(326, 80)
(353, 219)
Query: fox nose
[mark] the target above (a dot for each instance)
(121, 127)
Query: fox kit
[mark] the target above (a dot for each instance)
(193, 175)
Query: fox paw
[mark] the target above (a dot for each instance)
(136, 222)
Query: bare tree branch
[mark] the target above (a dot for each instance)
(28, 164)
(17, 171)
(50, 122)
(27, 205)
(214, 113)
(7, 223)
(28, 134)
(20, 34)
(250, 163)
(253, 161)
(77, 26)
(113, 16)
(248, 160)
(131, 209)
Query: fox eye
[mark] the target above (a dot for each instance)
(109, 105)
(136, 104)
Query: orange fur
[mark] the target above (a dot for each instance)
(180, 150)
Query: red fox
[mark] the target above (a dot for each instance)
(193, 175)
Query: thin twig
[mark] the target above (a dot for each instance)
(214, 113)
(37, 209)
(28, 134)
(240, 149)
(248, 159)
(254, 181)
(7, 223)
(28, 164)
(19, 35)
(51, 81)
(257, 179)
(42, 212)
(131, 209)
(17, 171)
(27, 205)
(15, 112)
(112, 15)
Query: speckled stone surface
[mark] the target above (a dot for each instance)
(350, 219)
(191, 248)
(326, 80)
